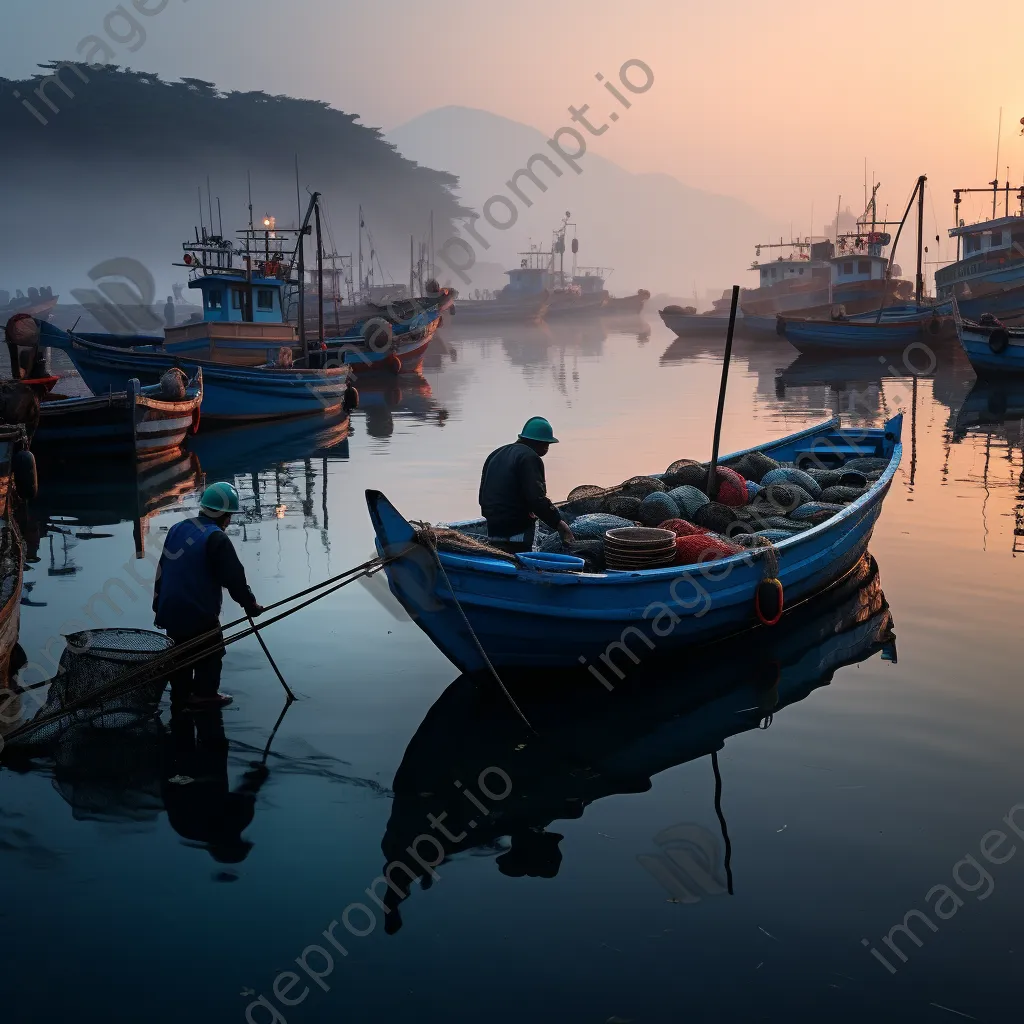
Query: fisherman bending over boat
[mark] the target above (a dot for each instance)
(198, 563)
(513, 493)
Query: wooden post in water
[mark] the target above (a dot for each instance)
(713, 468)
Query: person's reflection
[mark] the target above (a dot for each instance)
(533, 853)
(201, 806)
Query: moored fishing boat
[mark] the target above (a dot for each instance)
(861, 335)
(141, 422)
(483, 603)
(991, 347)
(230, 393)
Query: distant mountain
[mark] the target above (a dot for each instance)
(104, 163)
(655, 231)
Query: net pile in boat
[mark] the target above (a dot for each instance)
(459, 543)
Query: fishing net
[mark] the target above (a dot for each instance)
(657, 507)
(754, 465)
(685, 472)
(851, 479)
(586, 499)
(865, 465)
(592, 553)
(825, 477)
(689, 499)
(703, 547)
(781, 498)
(594, 527)
(461, 543)
(681, 528)
(752, 490)
(815, 511)
(788, 475)
(89, 673)
(755, 540)
(625, 508)
(839, 494)
(641, 486)
(715, 517)
(732, 488)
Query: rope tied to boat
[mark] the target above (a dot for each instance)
(769, 597)
(427, 535)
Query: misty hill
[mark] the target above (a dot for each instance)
(655, 231)
(115, 169)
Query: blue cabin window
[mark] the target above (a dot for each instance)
(863, 266)
(236, 298)
(265, 298)
(214, 298)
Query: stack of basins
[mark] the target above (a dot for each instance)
(639, 547)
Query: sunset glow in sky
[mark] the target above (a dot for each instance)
(778, 104)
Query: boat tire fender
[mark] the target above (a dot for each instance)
(998, 340)
(26, 478)
(351, 399)
(934, 326)
(394, 364)
(769, 601)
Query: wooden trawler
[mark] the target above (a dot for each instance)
(988, 273)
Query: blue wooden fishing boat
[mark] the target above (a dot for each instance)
(231, 393)
(522, 616)
(849, 335)
(991, 346)
(139, 422)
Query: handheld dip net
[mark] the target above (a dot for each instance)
(115, 678)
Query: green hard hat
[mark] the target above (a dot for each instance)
(219, 498)
(538, 429)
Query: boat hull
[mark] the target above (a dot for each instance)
(614, 620)
(849, 335)
(126, 424)
(976, 343)
(231, 394)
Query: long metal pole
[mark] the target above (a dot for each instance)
(319, 281)
(920, 239)
(303, 231)
(273, 664)
(713, 467)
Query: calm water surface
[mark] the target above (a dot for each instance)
(598, 887)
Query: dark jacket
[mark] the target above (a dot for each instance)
(511, 488)
(198, 563)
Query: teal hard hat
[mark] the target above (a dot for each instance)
(219, 498)
(538, 429)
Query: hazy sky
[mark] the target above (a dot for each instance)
(776, 103)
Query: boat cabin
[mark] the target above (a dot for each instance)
(777, 272)
(244, 307)
(590, 281)
(526, 280)
(228, 299)
(991, 252)
(858, 266)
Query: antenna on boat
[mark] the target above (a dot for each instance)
(248, 175)
(220, 219)
(209, 201)
(995, 183)
(199, 192)
(298, 197)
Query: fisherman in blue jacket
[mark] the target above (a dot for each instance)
(198, 563)
(513, 492)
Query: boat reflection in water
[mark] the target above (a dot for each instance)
(79, 497)
(593, 743)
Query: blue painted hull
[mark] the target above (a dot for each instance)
(527, 618)
(1007, 304)
(850, 336)
(975, 342)
(231, 393)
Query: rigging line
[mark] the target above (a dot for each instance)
(427, 532)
